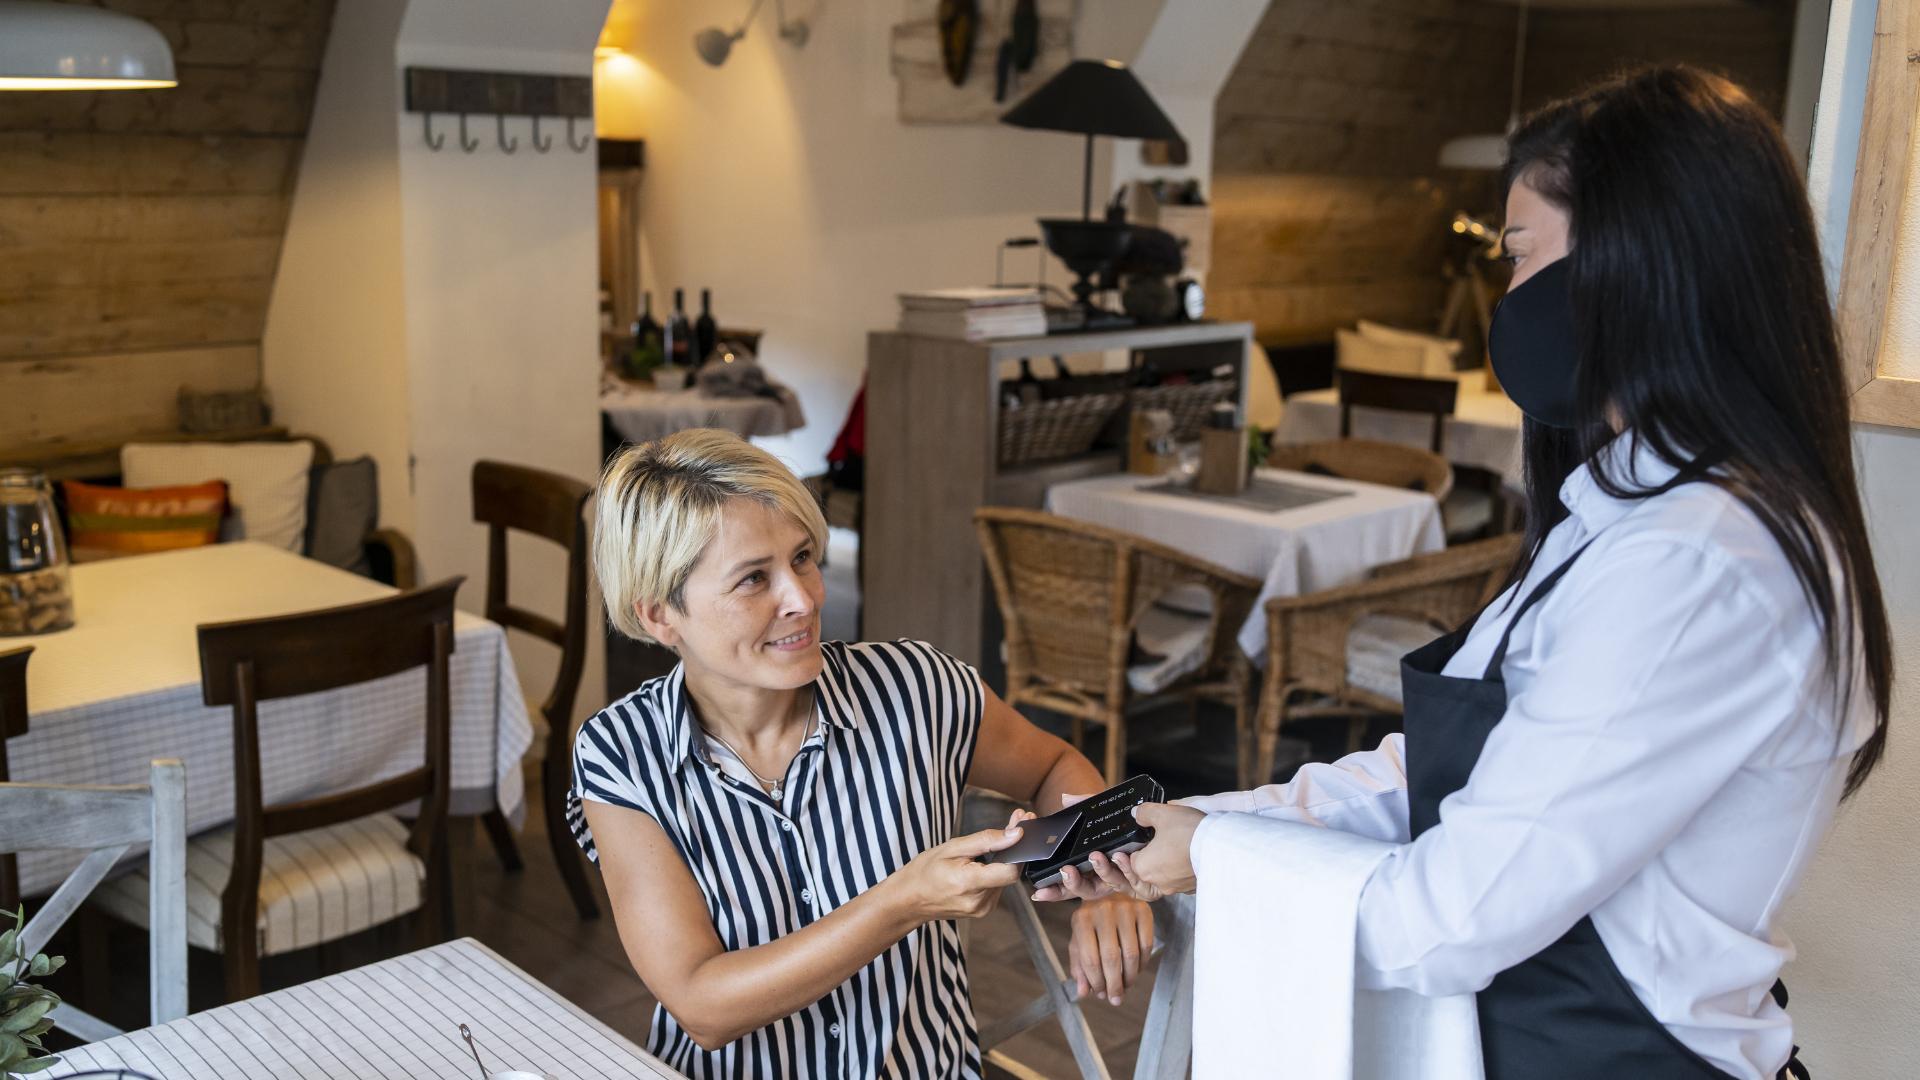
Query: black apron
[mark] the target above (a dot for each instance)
(1566, 1013)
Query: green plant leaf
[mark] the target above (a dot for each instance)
(26, 1016)
(6, 946)
(12, 1050)
(35, 1065)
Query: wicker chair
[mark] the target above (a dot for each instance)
(1072, 594)
(1308, 637)
(1388, 464)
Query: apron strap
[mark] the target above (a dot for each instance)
(1539, 592)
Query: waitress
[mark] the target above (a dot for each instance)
(1615, 775)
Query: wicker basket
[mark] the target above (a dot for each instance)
(1188, 402)
(1058, 428)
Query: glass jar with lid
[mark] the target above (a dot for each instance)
(36, 587)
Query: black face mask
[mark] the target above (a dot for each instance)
(1535, 353)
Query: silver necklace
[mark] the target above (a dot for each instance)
(774, 788)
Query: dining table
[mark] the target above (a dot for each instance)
(1483, 432)
(397, 1019)
(122, 687)
(641, 413)
(1296, 532)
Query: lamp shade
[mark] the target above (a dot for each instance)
(1474, 152)
(1093, 97)
(49, 46)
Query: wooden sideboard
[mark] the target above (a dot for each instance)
(933, 441)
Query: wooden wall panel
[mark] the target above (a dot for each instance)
(140, 230)
(1747, 43)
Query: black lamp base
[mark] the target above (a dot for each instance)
(1088, 248)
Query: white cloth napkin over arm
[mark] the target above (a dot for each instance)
(1274, 965)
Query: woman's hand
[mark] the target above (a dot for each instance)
(1164, 866)
(945, 881)
(1111, 939)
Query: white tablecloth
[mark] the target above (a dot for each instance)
(641, 414)
(1295, 551)
(123, 687)
(1483, 432)
(398, 1019)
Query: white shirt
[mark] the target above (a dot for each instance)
(1667, 763)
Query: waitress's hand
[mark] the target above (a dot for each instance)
(1112, 938)
(1164, 866)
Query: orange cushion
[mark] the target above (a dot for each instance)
(104, 521)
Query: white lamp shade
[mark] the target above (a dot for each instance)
(1474, 152)
(50, 46)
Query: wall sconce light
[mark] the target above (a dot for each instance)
(714, 44)
(48, 46)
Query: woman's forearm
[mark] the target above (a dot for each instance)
(743, 990)
(1070, 774)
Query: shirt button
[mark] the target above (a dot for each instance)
(786, 826)
(807, 895)
(833, 1030)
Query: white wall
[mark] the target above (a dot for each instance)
(1855, 1006)
(502, 316)
(334, 355)
(442, 307)
(786, 183)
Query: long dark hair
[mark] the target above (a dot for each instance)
(1705, 327)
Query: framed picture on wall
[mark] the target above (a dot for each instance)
(1860, 179)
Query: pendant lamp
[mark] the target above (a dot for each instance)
(52, 46)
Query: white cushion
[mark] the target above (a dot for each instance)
(1178, 638)
(1352, 351)
(266, 482)
(1374, 648)
(315, 886)
(1437, 354)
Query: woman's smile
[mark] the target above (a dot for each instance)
(793, 642)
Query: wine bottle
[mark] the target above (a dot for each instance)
(705, 335)
(646, 340)
(678, 341)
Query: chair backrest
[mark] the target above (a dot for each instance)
(1070, 593)
(552, 507)
(1404, 393)
(13, 722)
(245, 663)
(106, 822)
(1387, 464)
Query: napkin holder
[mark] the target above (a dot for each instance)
(1223, 454)
(1150, 446)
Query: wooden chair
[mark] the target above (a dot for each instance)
(1313, 648)
(106, 822)
(261, 887)
(1402, 393)
(551, 507)
(13, 723)
(1388, 464)
(1072, 595)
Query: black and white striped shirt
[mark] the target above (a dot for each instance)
(878, 782)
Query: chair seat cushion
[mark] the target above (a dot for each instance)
(1374, 648)
(1177, 638)
(315, 886)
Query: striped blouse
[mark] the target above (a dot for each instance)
(878, 782)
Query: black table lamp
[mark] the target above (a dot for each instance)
(1090, 97)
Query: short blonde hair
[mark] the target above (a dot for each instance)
(659, 507)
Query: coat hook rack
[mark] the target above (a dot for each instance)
(501, 95)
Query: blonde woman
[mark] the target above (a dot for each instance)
(774, 818)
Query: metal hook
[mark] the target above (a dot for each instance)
(467, 144)
(426, 121)
(581, 146)
(507, 146)
(542, 145)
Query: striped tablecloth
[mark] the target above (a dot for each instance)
(398, 1019)
(123, 687)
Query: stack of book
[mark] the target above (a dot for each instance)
(973, 314)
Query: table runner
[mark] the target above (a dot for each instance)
(397, 1019)
(1261, 493)
(123, 687)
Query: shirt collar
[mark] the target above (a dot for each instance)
(1632, 463)
(833, 708)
